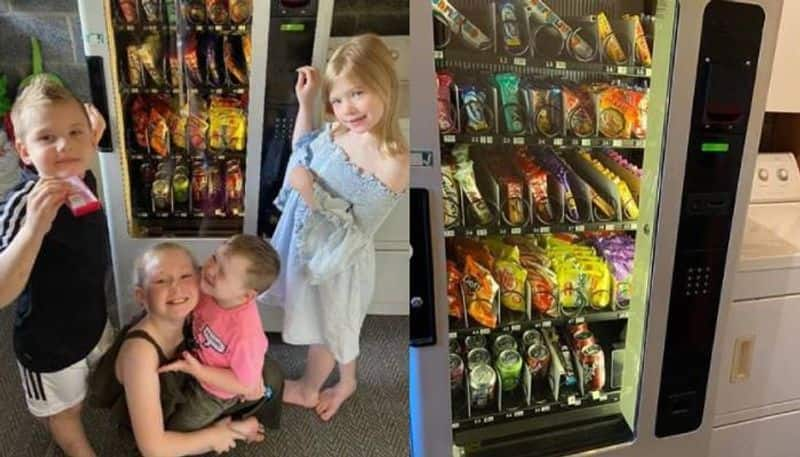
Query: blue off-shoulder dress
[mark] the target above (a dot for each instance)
(327, 254)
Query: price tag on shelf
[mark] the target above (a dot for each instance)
(586, 142)
(516, 327)
(580, 228)
(481, 232)
(452, 335)
(218, 28)
(648, 72)
(572, 401)
(438, 55)
(595, 395)
(520, 61)
(623, 315)
(456, 425)
(541, 141)
(484, 331)
(449, 233)
(469, 233)
(603, 397)
(519, 413)
(579, 320)
(488, 419)
(558, 141)
(561, 65)
(547, 324)
(545, 229)
(545, 409)
(616, 143)
(609, 69)
(516, 231)
(449, 138)
(518, 140)
(623, 70)
(487, 140)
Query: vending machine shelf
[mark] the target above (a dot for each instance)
(469, 60)
(575, 402)
(589, 317)
(531, 140)
(559, 228)
(190, 226)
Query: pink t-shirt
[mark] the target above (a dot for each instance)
(230, 338)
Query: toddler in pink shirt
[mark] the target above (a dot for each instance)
(229, 341)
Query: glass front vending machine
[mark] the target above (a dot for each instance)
(196, 145)
(584, 167)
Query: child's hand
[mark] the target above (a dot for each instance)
(255, 393)
(225, 436)
(307, 85)
(96, 122)
(44, 201)
(302, 180)
(252, 430)
(188, 364)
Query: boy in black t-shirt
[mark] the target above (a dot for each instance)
(52, 263)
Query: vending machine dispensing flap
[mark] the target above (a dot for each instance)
(422, 313)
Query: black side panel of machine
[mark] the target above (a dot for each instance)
(422, 309)
(726, 71)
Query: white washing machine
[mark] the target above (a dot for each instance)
(757, 411)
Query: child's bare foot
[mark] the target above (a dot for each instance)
(294, 393)
(252, 430)
(332, 398)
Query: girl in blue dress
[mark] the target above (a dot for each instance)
(341, 183)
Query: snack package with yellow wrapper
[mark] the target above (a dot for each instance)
(612, 50)
(150, 54)
(228, 124)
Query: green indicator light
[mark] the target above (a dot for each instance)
(292, 27)
(714, 147)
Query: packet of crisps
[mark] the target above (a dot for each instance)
(228, 124)
(511, 276)
(159, 133)
(612, 50)
(150, 56)
(480, 290)
(641, 48)
(197, 125)
(455, 304)
(465, 247)
(451, 202)
(465, 175)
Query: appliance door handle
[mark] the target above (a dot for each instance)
(97, 86)
(742, 359)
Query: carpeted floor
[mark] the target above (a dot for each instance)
(372, 423)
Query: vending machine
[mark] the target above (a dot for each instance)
(582, 170)
(198, 119)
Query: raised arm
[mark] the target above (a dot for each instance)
(138, 372)
(306, 90)
(20, 240)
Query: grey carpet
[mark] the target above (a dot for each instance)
(372, 423)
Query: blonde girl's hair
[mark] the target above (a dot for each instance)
(141, 263)
(367, 59)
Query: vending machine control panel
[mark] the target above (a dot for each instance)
(291, 43)
(726, 72)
